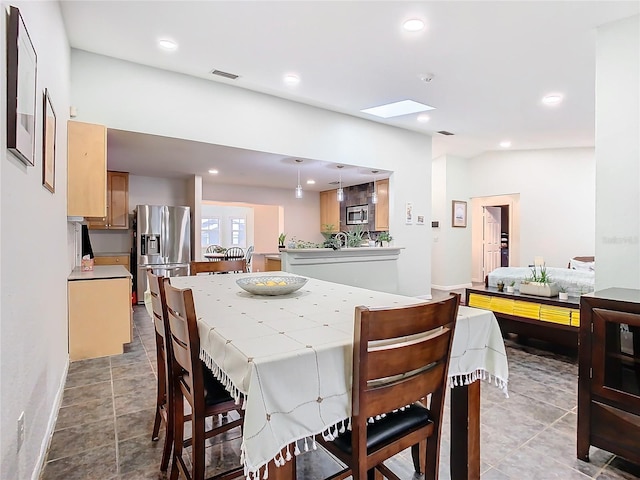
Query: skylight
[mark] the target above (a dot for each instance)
(397, 109)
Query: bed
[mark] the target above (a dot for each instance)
(579, 278)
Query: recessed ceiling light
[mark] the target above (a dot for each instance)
(311, 182)
(552, 99)
(213, 171)
(423, 118)
(413, 25)
(291, 79)
(505, 144)
(396, 109)
(167, 44)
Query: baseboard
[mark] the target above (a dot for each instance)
(448, 288)
(42, 456)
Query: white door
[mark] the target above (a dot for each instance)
(491, 238)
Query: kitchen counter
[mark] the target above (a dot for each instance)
(100, 311)
(110, 254)
(375, 268)
(100, 272)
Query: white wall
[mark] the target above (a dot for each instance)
(617, 155)
(557, 198)
(451, 250)
(37, 255)
(134, 97)
(301, 215)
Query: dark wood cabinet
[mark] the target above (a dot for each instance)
(609, 373)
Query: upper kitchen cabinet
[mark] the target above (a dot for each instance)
(382, 207)
(117, 217)
(329, 211)
(87, 170)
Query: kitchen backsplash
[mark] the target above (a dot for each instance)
(358, 195)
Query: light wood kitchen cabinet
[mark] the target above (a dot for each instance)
(100, 320)
(86, 170)
(329, 211)
(112, 260)
(117, 217)
(382, 207)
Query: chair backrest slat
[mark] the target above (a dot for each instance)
(184, 337)
(220, 266)
(391, 370)
(399, 358)
(234, 253)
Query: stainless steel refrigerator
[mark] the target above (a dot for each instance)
(163, 242)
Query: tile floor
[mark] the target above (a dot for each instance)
(103, 431)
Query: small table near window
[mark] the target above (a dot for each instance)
(213, 257)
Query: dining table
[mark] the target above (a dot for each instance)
(287, 360)
(213, 256)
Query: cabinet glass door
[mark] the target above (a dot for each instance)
(619, 376)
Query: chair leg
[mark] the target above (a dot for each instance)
(156, 425)
(178, 434)
(198, 446)
(432, 460)
(419, 456)
(168, 442)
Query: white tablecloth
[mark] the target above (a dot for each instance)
(288, 358)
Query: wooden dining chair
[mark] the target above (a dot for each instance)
(227, 266)
(188, 384)
(400, 357)
(164, 400)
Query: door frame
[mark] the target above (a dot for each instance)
(512, 201)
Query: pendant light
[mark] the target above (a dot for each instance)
(299, 187)
(340, 192)
(374, 195)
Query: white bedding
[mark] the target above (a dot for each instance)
(576, 282)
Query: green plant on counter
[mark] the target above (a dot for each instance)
(512, 283)
(356, 236)
(384, 237)
(539, 276)
(327, 231)
(281, 238)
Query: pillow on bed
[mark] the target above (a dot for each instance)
(582, 266)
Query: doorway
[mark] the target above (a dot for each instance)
(495, 234)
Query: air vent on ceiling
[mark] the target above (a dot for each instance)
(444, 132)
(334, 183)
(220, 73)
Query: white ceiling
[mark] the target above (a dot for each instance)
(491, 64)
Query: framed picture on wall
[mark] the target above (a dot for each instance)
(458, 213)
(21, 90)
(48, 144)
(408, 213)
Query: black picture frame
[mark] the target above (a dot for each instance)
(22, 64)
(48, 143)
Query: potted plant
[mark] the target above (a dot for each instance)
(511, 286)
(539, 283)
(500, 286)
(281, 238)
(384, 237)
(355, 236)
(562, 293)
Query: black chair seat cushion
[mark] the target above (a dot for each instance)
(215, 392)
(393, 425)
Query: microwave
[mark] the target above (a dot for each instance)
(358, 214)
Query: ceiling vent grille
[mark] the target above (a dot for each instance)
(444, 132)
(220, 73)
(334, 183)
